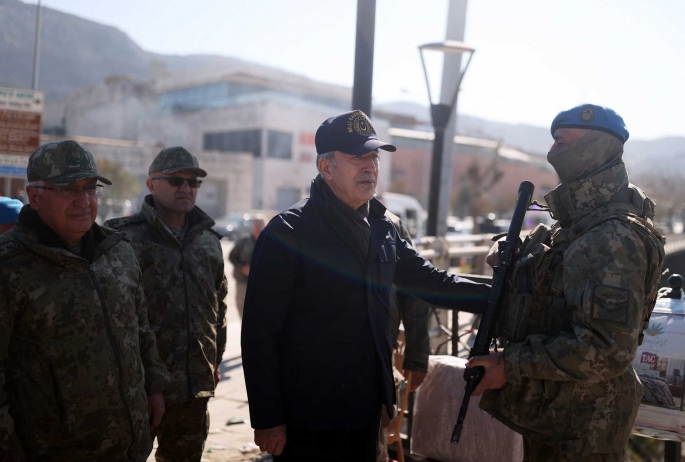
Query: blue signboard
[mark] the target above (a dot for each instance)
(12, 170)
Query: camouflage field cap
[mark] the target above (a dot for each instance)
(62, 162)
(171, 160)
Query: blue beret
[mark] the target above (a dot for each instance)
(592, 117)
(9, 210)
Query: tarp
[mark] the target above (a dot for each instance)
(435, 412)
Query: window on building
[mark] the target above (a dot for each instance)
(235, 141)
(280, 144)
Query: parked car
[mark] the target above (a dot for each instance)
(234, 226)
(409, 210)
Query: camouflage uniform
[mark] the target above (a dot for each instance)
(580, 295)
(77, 358)
(185, 286)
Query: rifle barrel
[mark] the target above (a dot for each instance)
(486, 331)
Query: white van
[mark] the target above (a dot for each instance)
(409, 210)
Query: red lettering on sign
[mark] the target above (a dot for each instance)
(649, 358)
(307, 138)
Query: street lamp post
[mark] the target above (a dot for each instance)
(440, 115)
(36, 52)
(363, 56)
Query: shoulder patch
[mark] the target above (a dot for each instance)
(117, 223)
(9, 247)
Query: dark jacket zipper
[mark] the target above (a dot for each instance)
(117, 356)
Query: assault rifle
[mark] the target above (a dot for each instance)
(486, 332)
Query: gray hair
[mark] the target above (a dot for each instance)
(326, 155)
(37, 183)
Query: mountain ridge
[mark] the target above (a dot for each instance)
(79, 53)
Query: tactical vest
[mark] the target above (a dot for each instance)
(535, 302)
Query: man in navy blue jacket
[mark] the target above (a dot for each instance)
(316, 330)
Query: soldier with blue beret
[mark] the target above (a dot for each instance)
(9, 213)
(580, 296)
(592, 117)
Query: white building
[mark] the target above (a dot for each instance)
(253, 131)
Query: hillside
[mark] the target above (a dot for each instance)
(78, 53)
(641, 156)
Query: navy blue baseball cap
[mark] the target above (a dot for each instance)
(351, 133)
(592, 117)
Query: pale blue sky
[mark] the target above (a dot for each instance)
(534, 57)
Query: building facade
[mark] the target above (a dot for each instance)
(253, 131)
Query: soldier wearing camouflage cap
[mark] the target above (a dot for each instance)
(80, 377)
(185, 285)
(580, 296)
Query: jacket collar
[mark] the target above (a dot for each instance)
(317, 199)
(378, 222)
(198, 221)
(569, 201)
(40, 238)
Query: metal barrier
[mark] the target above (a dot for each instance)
(438, 249)
(674, 243)
(441, 250)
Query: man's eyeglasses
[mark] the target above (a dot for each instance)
(71, 191)
(177, 181)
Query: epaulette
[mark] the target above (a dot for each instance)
(9, 246)
(117, 223)
(215, 233)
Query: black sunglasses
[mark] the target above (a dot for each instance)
(177, 181)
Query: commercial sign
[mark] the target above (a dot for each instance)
(15, 99)
(660, 365)
(21, 114)
(649, 358)
(13, 165)
(20, 121)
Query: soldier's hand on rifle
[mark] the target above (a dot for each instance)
(495, 375)
(493, 256)
(271, 440)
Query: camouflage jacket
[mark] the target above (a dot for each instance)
(575, 311)
(77, 358)
(185, 287)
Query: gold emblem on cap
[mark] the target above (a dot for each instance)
(359, 123)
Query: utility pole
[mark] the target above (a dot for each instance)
(36, 52)
(363, 56)
(451, 74)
